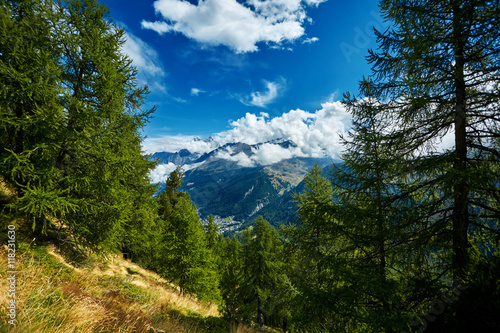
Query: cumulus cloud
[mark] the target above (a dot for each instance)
(174, 143)
(239, 25)
(161, 172)
(265, 154)
(146, 60)
(315, 134)
(241, 158)
(269, 153)
(263, 99)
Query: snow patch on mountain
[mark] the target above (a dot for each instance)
(316, 134)
(258, 140)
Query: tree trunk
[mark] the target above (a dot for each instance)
(259, 313)
(460, 188)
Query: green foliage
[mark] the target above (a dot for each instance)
(184, 254)
(439, 73)
(71, 121)
(211, 230)
(405, 221)
(311, 250)
(253, 283)
(231, 279)
(174, 181)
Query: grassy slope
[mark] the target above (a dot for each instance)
(101, 294)
(112, 295)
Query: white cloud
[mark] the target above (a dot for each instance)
(310, 40)
(315, 134)
(239, 25)
(268, 154)
(196, 91)
(243, 159)
(265, 154)
(174, 143)
(161, 172)
(262, 99)
(146, 60)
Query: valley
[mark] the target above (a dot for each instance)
(236, 193)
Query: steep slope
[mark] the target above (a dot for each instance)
(237, 182)
(230, 191)
(102, 295)
(69, 289)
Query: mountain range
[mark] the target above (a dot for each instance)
(230, 183)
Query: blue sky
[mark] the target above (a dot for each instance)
(247, 70)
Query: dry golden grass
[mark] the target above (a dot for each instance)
(166, 292)
(105, 294)
(7, 189)
(115, 296)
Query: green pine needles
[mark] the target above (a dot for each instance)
(71, 119)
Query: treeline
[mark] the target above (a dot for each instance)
(402, 236)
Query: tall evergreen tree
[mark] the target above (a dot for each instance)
(313, 242)
(185, 257)
(438, 68)
(71, 120)
(211, 231)
(263, 268)
(378, 223)
(231, 280)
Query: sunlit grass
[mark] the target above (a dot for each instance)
(59, 290)
(54, 296)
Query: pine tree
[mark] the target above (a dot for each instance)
(211, 231)
(263, 267)
(71, 120)
(377, 224)
(30, 115)
(231, 280)
(185, 257)
(315, 227)
(438, 69)
(313, 241)
(436, 73)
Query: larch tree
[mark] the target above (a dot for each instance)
(313, 240)
(231, 280)
(71, 121)
(211, 230)
(263, 270)
(185, 257)
(438, 70)
(378, 218)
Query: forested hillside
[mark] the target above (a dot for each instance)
(401, 236)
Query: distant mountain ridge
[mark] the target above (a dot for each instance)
(236, 194)
(184, 156)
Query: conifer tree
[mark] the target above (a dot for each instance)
(263, 267)
(435, 74)
(71, 118)
(211, 231)
(231, 280)
(377, 224)
(185, 257)
(315, 226)
(438, 69)
(313, 241)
